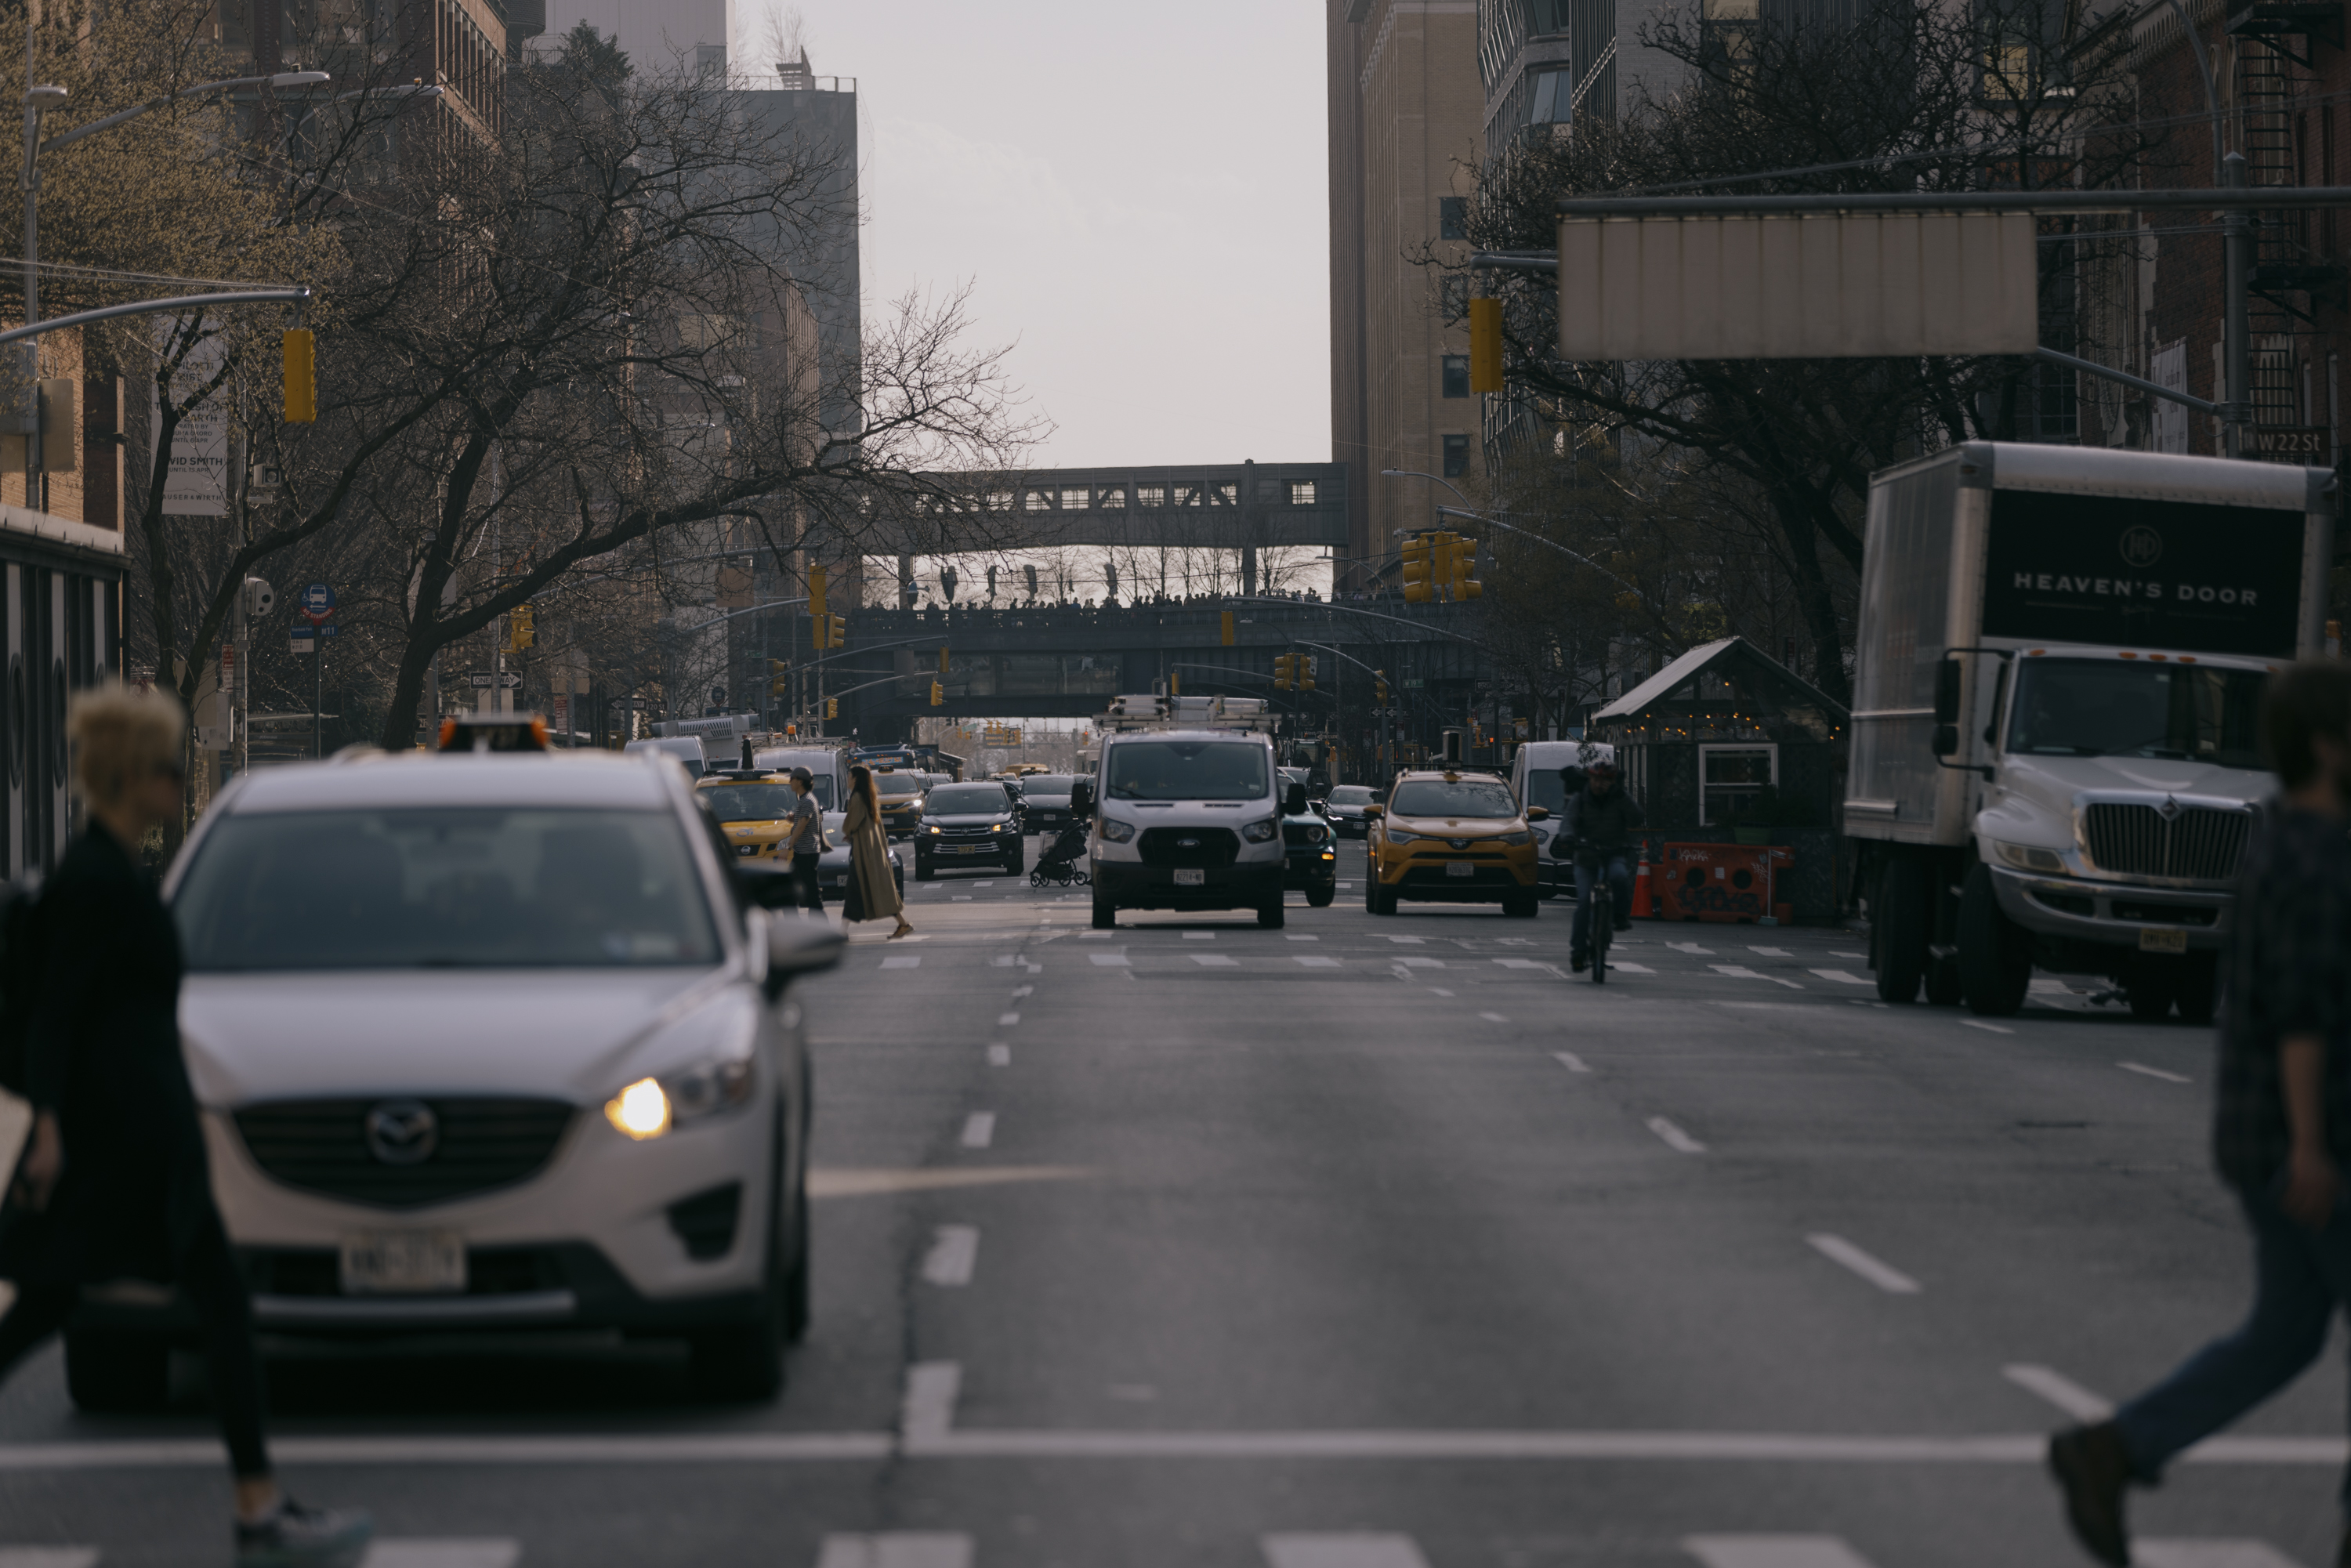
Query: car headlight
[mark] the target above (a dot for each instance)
(1543, 835)
(1116, 831)
(1260, 832)
(1524, 836)
(933, 829)
(1315, 835)
(651, 1106)
(1002, 827)
(1396, 838)
(2030, 857)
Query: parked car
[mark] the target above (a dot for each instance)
(1454, 837)
(969, 826)
(565, 1087)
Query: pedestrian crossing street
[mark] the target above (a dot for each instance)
(1351, 1549)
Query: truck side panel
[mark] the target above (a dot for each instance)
(1905, 602)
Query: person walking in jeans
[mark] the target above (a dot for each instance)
(2281, 1125)
(805, 840)
(1598, 824)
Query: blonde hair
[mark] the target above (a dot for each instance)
(119, 736)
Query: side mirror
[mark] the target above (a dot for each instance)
(765, 884)
(1946, 699)
(800, 944)
(1538, 813)
(1946, 739)
(1374, 810)
(1293, 801)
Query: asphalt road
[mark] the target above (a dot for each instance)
(1361, 1244)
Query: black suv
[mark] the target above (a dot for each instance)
(968, 825)
(1045, 801)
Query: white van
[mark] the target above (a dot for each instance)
(828, 769)
(1187, 818)
(1535, 780)
(687, 748)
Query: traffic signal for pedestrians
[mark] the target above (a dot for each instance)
(301, 377)
(1419, 569)
(1485, 345)
(1462, 561)
(938, 694)
(1284, 668)
(780, 676)
(832, 707)
(1229, 628)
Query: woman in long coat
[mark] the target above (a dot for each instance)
(114, 1183)
(869, 853)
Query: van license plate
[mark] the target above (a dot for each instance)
(1459, 868)
(402, 1262)
(2158, 939)
(1193, 878)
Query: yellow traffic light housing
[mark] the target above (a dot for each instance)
(1462, 563)
(836, 631)
(1485, 345)
(301, 377)
(943, 661)
(779, 677)
(1419, 569)
(1281, 681)
(1174, 682)
(816, 592)
(938, 694)
(1380, 687)
(832, 707)
(519, 630)
(1229, 628)
(1304, 667)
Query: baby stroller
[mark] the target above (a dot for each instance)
(1060, 862)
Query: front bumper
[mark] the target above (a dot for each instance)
(2109, 913)
(1128, 884)
(946, 855)
(1424, 875)
(1314, 869)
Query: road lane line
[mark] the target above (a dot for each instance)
(1834, 954)
(1357, 1549)
(1690, 947)
(1005, 1021)
(1215, 961)
(896, 1549)
(1616, 964)
(1108, 961)
(1003, 961)
(902, 961)
(1740, 972)
(2209, 1554)
(1844, 977)
(1773, 1551)
(1773, 952)
(979, 1129)
(927, 1406)
(2154, 1072)
(1418, 963)
(1493, 1017)
(47, 1556)
(954, 1251)
(1570, 1061)
(1674, 1138)
(1438, 992)
(999, 1056)
(1295, 937)
(480, 1551)
(1408, 941)
(1316, 961)
(1096, 936)
(1020, 991)
(1199, 937)
(1987, 1028)
(1518, 963)
(2058, 1389)
(1886, 1277)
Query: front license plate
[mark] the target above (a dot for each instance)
(2161, 939)
(1193, 878)
(402, 1262)
(960, 850)
(1459, 868)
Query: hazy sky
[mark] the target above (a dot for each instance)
(1136, 193)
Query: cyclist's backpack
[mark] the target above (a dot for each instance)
(20, 972)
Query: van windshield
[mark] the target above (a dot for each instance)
(2111, 707)
(1187, 770)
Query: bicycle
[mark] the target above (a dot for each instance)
(1600, 923)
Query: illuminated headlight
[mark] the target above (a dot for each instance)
(1116, 831)
(2030, 857)
(1258, 832)
(1524, 836)
(934, 828)
(651, 1106)
(1003, 827)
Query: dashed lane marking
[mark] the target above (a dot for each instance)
(1773, 1551)
(1834, 954)
(1020, 991)
(479, 1552)
(1987, 1028)
(1416, 963)
(1674, 1138)
(1357, 1549)
(2049, 1384)
(1407, 941)
(999, 1056)
(1005, 1021)
(896, 1549)
(1215, 961)
(1493, 1017)
(1295, 937)
(2148, 1071)
(1690, 947)
(902, 961)
(926, 1408)
(1620, 965)
(1316, 961)
(1772, 952)
(979, 1129)
(955, 1250)
(1108, 961)
(1199, 937)
(1570, 1061)
(1843, 978)
(1096, 936)
(1740, 972)
(1885, 1276)
(2209, 1554)
(1519, 964)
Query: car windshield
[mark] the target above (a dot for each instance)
(1047, 784)
(1187, 770)
(1451, 798)
(460, 887)
(749, 802)
(1351, 795)
(2113, 707)
(890, 786)
(968, 800)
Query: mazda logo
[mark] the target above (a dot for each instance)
(401, 1132)
(2141, 546)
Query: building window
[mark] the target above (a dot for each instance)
(1452, 218)
(1554, 97)
(1113, 498)
(1040, 501)
(1151, 494)
(1302, 492)
(1076, 501)
(1456, 298)
(1456, 457)
(1731, 777)
(1457, 375)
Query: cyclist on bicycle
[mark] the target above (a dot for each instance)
(1599, 823)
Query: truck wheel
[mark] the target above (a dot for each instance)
(1898, 919)
(2199, 988)
(1106, 916)
(1270, 916)
(1995, 954)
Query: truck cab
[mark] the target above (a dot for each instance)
(1189, 810)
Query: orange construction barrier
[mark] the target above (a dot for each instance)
(1643, 908)
(1727, 882)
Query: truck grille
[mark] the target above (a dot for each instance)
(2200, 844)
(1213, 848)
(322, 1145)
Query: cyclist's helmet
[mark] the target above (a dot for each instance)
(1603, 769)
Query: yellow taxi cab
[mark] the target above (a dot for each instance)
(901, 792)
(754, 810)
(1459, 838)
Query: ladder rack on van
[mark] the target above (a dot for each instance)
(1148, 710)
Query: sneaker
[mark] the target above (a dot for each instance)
(298, 1537)
(2094, 1468)
(1578, 964)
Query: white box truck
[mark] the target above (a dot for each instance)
(2057, 684)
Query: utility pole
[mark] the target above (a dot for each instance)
(2237, 325)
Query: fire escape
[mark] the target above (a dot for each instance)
(2295, 270)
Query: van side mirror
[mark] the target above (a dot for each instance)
(1293, 801)
(1946, 699)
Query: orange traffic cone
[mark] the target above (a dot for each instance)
(1642, 909)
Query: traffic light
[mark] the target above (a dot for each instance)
(938, 694)
(832, 707)
(1303, 664)
(816, 592)
(519, 634)
(1229, 628)
(1284, 672)
(301, 377)
(943, 661)
(1174, 682)
(1463, 560)
(1419, 569)
(1485, 345)
(1380, 687)
(831, 631)
(779, 677)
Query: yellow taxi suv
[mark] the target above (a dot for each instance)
(1455, 837)
(754, 810)
(900, 791)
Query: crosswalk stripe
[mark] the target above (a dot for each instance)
(1518, 963)
(2209, 1554)
(955, 1250)
(484, 1552)
(1109, 960)
(1844, 977)
(47, 1556)
(1740, 972)
(1316, 961)
(897, 1549)
(1619, 964)
(1357, 1549)
(1215, 961)
(1773, 1551)
(902, 961)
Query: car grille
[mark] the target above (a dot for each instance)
(321, 1146)
(1211, 847)
(964, 835)
(2198, 844)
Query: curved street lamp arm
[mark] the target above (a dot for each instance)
(283, 79)
(154, 307)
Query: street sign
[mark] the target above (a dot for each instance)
(2312, 444)
(318, 602)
